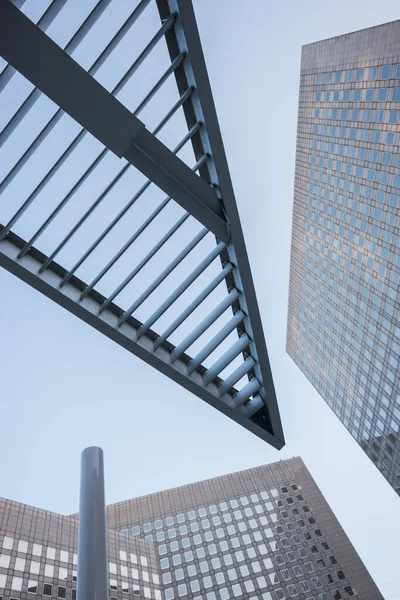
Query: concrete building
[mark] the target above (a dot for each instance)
(38, 558)
(262, 533)
(343, 330)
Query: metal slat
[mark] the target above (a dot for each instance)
(144, 261)
(204, 325)
(209, 198)
(174, 65)
(70, 47)
(181, 289)
(94, 164)
(221, 364)
(163, 275)
(216, 341)
(109, 227)
(234, 377)
(68, 298)
(253, 406)
(67, 84)
(184, 37)
(91, 89)
(130, 241)
(250, 389)
(44, 22)
(193, 305)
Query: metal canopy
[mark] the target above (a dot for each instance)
(140, 212)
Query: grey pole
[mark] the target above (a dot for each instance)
(92, 552)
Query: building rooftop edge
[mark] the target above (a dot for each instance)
(210, 479)
(350, 33)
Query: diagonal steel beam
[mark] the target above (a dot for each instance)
(184, 37)
(47, 283)
(31, 52)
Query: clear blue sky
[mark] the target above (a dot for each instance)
(65, 387)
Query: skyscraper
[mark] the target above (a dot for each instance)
(343, 329)
(264, 533)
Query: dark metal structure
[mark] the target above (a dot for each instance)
(187, 304)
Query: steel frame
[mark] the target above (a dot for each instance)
(207, 196)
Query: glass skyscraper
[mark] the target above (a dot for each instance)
(343, 322)
(266, 533)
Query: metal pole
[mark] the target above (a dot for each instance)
(92, 553)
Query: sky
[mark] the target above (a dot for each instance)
(65, 387)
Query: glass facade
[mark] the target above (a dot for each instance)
(263, 533)
(39, 559)
(343, 328)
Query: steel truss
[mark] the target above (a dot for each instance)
(203, 190)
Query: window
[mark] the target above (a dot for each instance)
(386, 72)
(390, 136)
(62, 592)
(396, 94)
(5, 560)
(325, 545)
(321, 563)
(304, 586)
(22, 546)
(237, 589)
(136, 530)
(328, 578)
(349, 590)
(333, 560)
(47, 589)
(171, 533)
(340, 575)
(8, 543)
(316, 582)
(382, 95)
(49, 570)
(336, 595)
(32, 586)
(37, 550)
